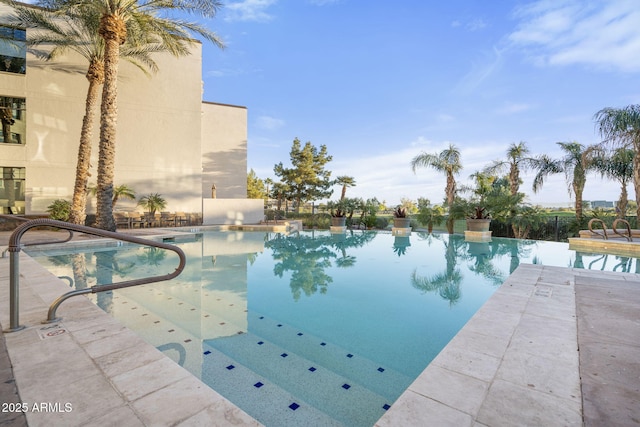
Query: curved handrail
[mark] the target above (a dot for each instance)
(14, 275)
(46, 242)
(602, 224)
(626, 224)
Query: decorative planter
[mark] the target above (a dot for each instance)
(401, 222)
(478, 224)
(338, 221)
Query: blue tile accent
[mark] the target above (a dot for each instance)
(323, 343)
(294, 406)
(349, 355)
(258, 384)
(300, 334)
(284, 355)
(230, 367)
(312, 369)
(380, 369)
(385, 406)
(346, 386)
(207, 352)
(260, 342)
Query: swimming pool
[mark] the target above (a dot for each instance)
(310, 329)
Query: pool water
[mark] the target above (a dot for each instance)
(313, 328)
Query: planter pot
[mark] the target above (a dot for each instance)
(338, 221)
(478, 224)
(402, 222)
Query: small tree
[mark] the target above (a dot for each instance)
(307, 180)
(255, 186)
(152, 202)
(429, 215)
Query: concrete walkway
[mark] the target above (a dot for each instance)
(553, 347)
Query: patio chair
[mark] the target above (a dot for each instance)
(151, 220)
(167, 218)
(182, 218)
(135, 218)
(121, 220)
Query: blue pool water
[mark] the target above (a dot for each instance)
(313, 328)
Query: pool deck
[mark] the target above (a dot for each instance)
(553, 346)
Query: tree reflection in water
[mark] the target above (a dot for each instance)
(307, 256)
(446, 283)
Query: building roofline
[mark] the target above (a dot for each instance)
(224, 105)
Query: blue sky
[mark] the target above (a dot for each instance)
(379, 82)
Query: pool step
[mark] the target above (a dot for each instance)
(206, 313)
(346, 362)
(279, 375)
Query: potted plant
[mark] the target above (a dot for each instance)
(479, 220)
(338, 213)
(401, 218)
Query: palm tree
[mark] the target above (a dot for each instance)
(618, 166)
(77, 31)
(121, 191)
(621, 126)
(447, 161)
(152, 202)
(124, 21)
(345, 181)
(518, 160)
(575, 164)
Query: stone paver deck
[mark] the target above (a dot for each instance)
(518, 361)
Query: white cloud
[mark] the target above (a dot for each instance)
(389, 177)
(476, 24)
(565, 32)
(480, 71)
(269, 123)
(249, 10)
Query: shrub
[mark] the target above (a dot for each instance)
(60, 210)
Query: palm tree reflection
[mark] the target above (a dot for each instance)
(308, 256)
(446, 283)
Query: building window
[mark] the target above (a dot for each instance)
(12, 116)
(12, 184)
(13, 50)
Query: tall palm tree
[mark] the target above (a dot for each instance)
(621, 127)
(518, 160)
(575, 164)
(78, 32)
(618, 166)
(447, 161)
(124, 21)
(345, 181)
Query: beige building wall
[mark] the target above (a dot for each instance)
(168, 140)
(224, 151)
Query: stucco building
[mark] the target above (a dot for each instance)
(168, 140)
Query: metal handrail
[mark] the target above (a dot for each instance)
(46, 242)
(626, 224)
(14, 274)
(602, 224)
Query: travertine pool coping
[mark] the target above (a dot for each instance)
(516, 362)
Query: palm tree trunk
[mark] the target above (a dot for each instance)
(622, 203)
(113, 31)
(578, 189)
(95, 75)
(636, 180)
